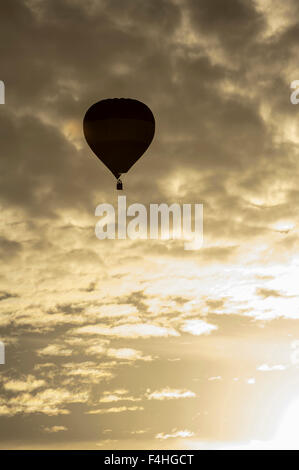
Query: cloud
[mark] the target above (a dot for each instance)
(294, 357)
(142, 330)
(169, 394)
(113, 310)
(54, 429)
(88, 372)
(54, 350)
(265, 293)
(267, 368)
(113, 397)
(251, 381)
(139, 431)
(50, 402)
(107, 442)
(117, 395)
(28, 385)
(128, 354)
(119, 409)
(175, 434)
(96, 349)
(9, 249)
(198, 327)
(6, 295)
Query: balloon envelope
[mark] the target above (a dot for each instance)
(119, 131)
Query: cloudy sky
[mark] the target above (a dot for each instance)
(119, 344)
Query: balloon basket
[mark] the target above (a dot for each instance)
(119, 185)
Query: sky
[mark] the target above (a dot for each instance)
(140, 344)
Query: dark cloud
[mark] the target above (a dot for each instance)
(6, 295)
(235, 23)
(9, 248)
(82, 55)
(265, 293)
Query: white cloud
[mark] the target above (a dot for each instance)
(198, 327)
(113, 398)
(267, 368)
(54, 429)
(28, 385)
(119, 409)
(169, 394)
(112, 310)
(251, 381)
(50, 402)
(97, 350)
(128, 354)
(182, 434)
(117, 395)
(142, 330)
(88, 371)
(295, 353)
(54, 350)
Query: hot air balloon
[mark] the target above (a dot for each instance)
(119, 131)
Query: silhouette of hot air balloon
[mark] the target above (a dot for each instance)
(119, 131)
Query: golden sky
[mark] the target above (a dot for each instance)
(128, 344)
